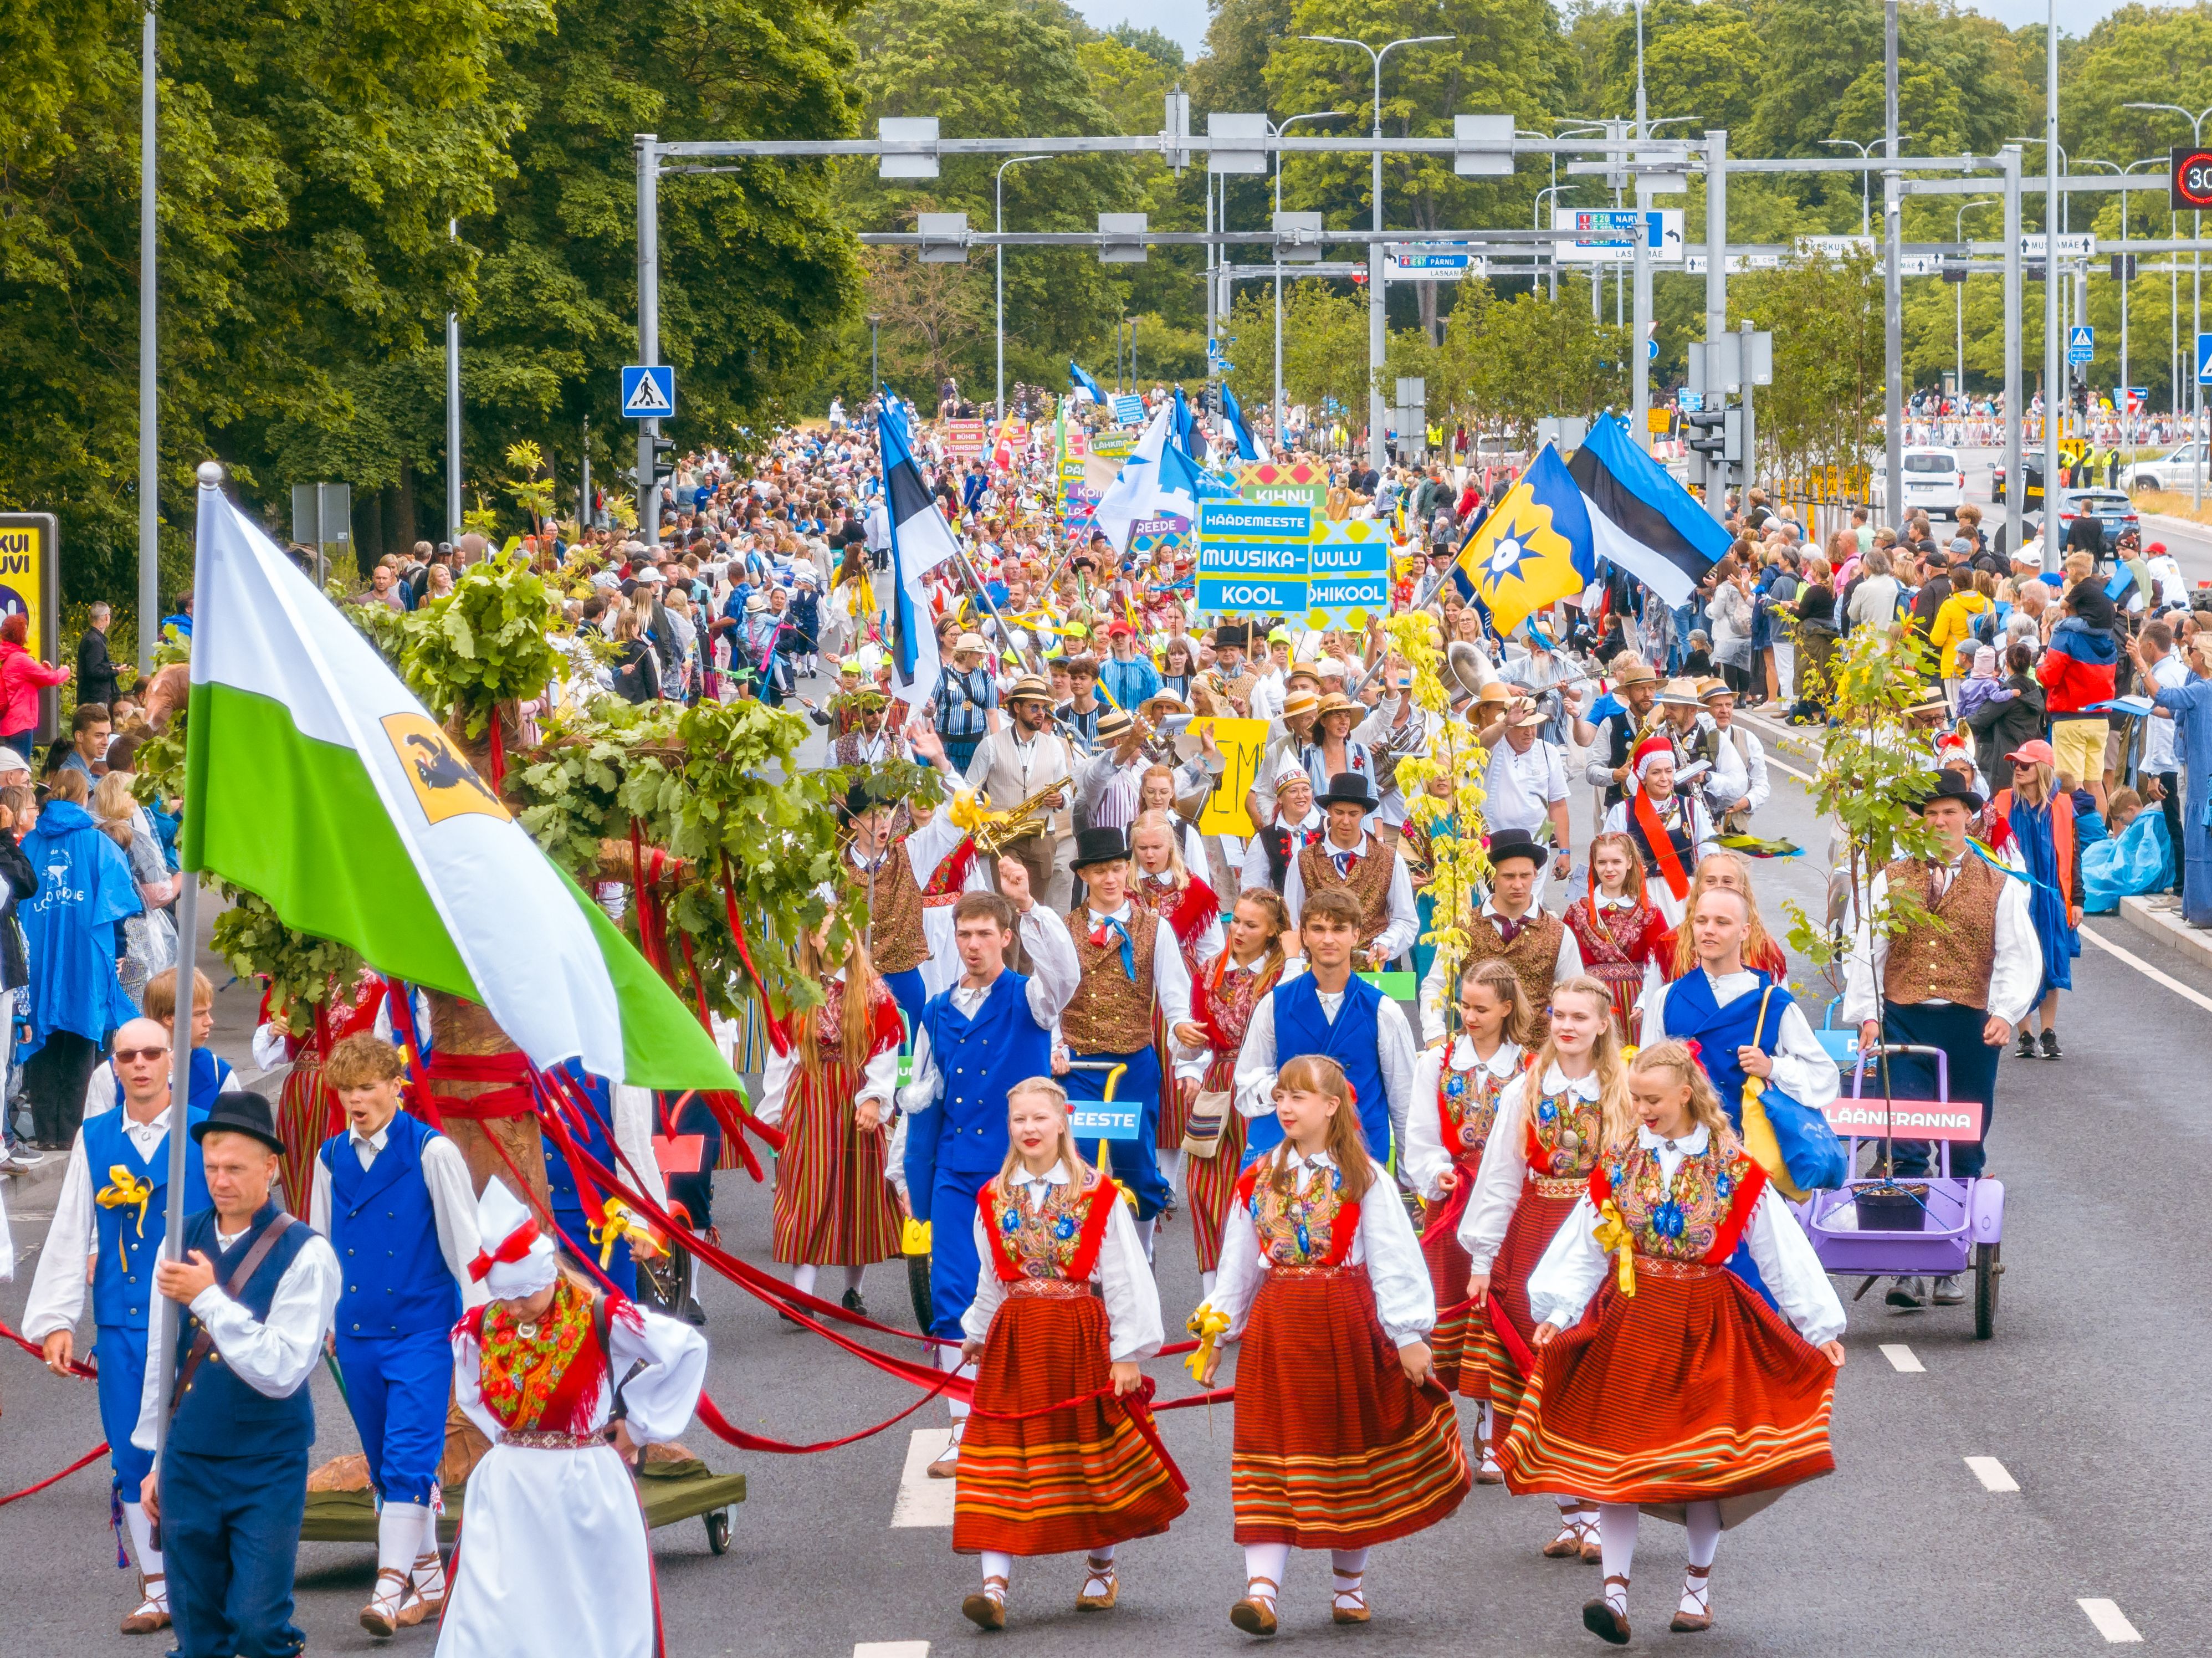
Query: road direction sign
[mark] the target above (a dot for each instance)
(2080, 343)
(1603, 235)
(1428, 262)
(2081, 246)
(648, 391)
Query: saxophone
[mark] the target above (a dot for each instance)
(994, 831)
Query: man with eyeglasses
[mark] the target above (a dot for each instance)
(113, 1209)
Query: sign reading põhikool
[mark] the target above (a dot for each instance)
(1348, 573)
(1253, 558)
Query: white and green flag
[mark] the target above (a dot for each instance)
(315, 778)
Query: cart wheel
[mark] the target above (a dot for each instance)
(1988, 1269)
(717, 1531)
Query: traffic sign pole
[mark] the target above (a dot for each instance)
(648, 326)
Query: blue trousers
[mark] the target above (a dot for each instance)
(230, 1534)
(1136, 1163)
(954, 1265)
(1973, 1065)
(120, 1353)
(396, 1388)
(908, 991)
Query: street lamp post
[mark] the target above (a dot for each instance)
(150, 442)
(1377, 342)
(1866, 177)
(1310, 115)
(1537, 223)
(453, 491)
(875, 372)
(999, 224)
(2196, 303)
(1958, 229)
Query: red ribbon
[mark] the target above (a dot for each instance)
(84, 1462)
(779, 1038)
(513, 1249)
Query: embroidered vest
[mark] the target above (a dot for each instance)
(384, 1229)
(980, 1059)
(1466, 1107)
(1353, 1039)
(219, 1414)
(1700, 1216)
(1111, 1013)
(899, 944)
(1564, 1132)
(1533, 955)
(1370, 881)
(1951, 956)
(1309, 1226)
(1059, 1241)
(1280, 841)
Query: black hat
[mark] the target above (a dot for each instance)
(239, 1113)
(1515, 843)
(1349, 788)
(1099, 846)
(1949, 785)
(1232, 635)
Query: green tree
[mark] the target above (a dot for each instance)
(1825, 406)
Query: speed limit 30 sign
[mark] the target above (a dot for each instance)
(2193, 177)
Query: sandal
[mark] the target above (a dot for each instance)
(1592, 1551)
(153, 1612)
(426, 1590)
(947, 1464)
(1603, 1621)
(1350, 1606)
(1568, 1544)
(380, 1617)
(1489, 1474)
(1256, 1613)
(1695, 1614)
(1101, 1588)
(988, 1609)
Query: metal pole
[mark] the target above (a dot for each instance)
(1716, 302)
(1377, 340)
(149, 433)
(583, 487)
(454, 498)
(1639, 350)
(648, 324)
(999, 254)
(2053, 345)
(2016, 410)
(2126, 272)
(1750, 424)
(1892, 286)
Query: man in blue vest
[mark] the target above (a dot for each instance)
(254, 1294)
(394, 1197)
(113, 1209)
(976, 1040)
(1329, 1011)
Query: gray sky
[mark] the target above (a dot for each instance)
(1184, 21)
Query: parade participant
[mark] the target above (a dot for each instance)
(831, 1091)
(1524, 783)
(1332, 753)
(307, 1111)
(1960, 977)
(394, 1197)
(1128, 680)
(1343, 1440)
(1350, 860)
(1160, 882)
(1544, 1142)
(1028, 760)
(1761, 951)
(1509, 928)
(1443, 1152)
(1090, 1474)
(1611, 756)
(1330, 1011)
(1229, 680)
(108, 1228)
(1295, 824)
(1736, 786)
(230, 1489)
(1684, 1395)
(211, 1073)
(1222, 1001)
(1624, 941)
(554, 1557)
(910, 885)
(871, 739)
(1134, 982)
(965, 699)
(2037, 820)
(1156, 792)
(617, 1133)
(973, 1043)
(1671, 829)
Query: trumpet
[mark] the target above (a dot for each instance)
(994, 831)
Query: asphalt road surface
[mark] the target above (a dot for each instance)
(2035, 1494)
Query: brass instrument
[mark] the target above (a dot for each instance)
(994, 831)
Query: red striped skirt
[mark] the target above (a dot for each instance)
(1078, 1478)
(1174, 1116)
(833, 1205)
(1456, 1340)
(307, 1114)
(1691, 1389)
(1212, 1184)
(1334, 1448)
(1535, 1219)
(1626, 980)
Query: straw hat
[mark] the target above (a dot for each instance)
(1634, 672)
(1030, 688)
(1301, 702)
(1336, 702)
(1679, 693)
(971, 642)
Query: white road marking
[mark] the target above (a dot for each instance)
(2111, 1623)
(1991, 1472)
(1901, 1359)
(891, 1649)
(923, 1501)
(2147, 969)
(1775, 735)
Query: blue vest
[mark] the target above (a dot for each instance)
(980, 1059)
(220, 1415)
(123, 1247)
(384, 1229)
(1301, 1028)
(1719, 1031)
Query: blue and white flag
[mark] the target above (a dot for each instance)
(920, 541)
(1079, 377)
(1247, 448)
(1158, 480)
(1639, 518)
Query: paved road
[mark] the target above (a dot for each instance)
(2090, 1400)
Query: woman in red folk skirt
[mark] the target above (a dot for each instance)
(1060, 1452)
(1222, 997)
(1343, 1439)
(1455, 1095)
(1551, 1120)
(1624, 940)
(831, 1092)
(1161, 882)
(1686, 1395)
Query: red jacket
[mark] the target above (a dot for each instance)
(22, 675)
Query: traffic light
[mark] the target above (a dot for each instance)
(2123, 267)
(662, 469)
(1705, 426)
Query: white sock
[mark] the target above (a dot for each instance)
(1267, 1560)
(997, 1565)
(1206, 1284)
(141, 1539)
(1145, 1230)
(1616, 1533)
(802, 1279)
(1350, 1565)
(399, 1536)
(1172, 1168)
(1702, 1520)
(948, 1358)
(1569, 1510)
(853, 1280)
(427, 1555)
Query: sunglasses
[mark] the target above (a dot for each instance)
(130, 1055)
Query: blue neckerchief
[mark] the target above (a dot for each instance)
(1128, 954)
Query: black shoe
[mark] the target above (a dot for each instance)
(2051, 1045)
(2027, 1048)
(694, 1314)
(853, 1303)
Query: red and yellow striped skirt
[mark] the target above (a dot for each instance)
(1691, 1389)
(1035, 1480)
(833, 1207)
(1544, 1207)
(1334, 1448)
(1211, 1183)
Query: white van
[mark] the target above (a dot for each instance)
(1934, 482)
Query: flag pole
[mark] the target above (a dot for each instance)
(187, 1005)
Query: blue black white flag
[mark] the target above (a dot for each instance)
(920, 541)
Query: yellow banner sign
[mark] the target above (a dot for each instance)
(1241, 742)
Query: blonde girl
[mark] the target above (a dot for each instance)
(1624, 940)
(1731, 870)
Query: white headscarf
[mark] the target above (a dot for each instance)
(516, 1258)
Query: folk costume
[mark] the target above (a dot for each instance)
(1748, 1008)
(307, 1114)
(1624, 942)
(1269, 854)
(400, 1212)
(1455, 1094)
(233, 1471)
(552, 1555)
(1371, 871)
(833, 1207)
(1222, 1001)
(2049, 848)
(1684, 1395)
(1538, 946)
(1066, 1293)
(1670, 835)
(1193, 913)
(116, 1220)
(1334, 1448)
(911, 887)
(1359, 1027)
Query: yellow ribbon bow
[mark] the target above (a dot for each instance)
(1208, 1324)
(969, 813)
(1616, 1240)
(126, 1190)
(618, 1222)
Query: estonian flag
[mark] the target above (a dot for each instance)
(920, 541)
(1640, 518)
(1080, 378)
(1247, 449)
(1534, 549)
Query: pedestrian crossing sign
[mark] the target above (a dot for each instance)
(648, 392)
(2080, 343)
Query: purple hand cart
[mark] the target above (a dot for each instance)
(1922, 1226)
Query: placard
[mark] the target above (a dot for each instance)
(1105, 1120)
(1253, 557)
(1348, 582)
(1873, 1117)
(1243, 744)
(1299, 483)
(964, 438)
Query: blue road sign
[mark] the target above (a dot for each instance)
(2080, 343)
(2204, 359)
(648, 392)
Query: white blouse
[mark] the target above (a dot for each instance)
(1426, 1155)
(1122, 1274)
(1504, 1171)
(1802, 1068)
(878, 1077)
(1573, 1266)
(1385, 1245)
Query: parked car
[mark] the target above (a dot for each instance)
(1934, 481)
(2171, 470)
